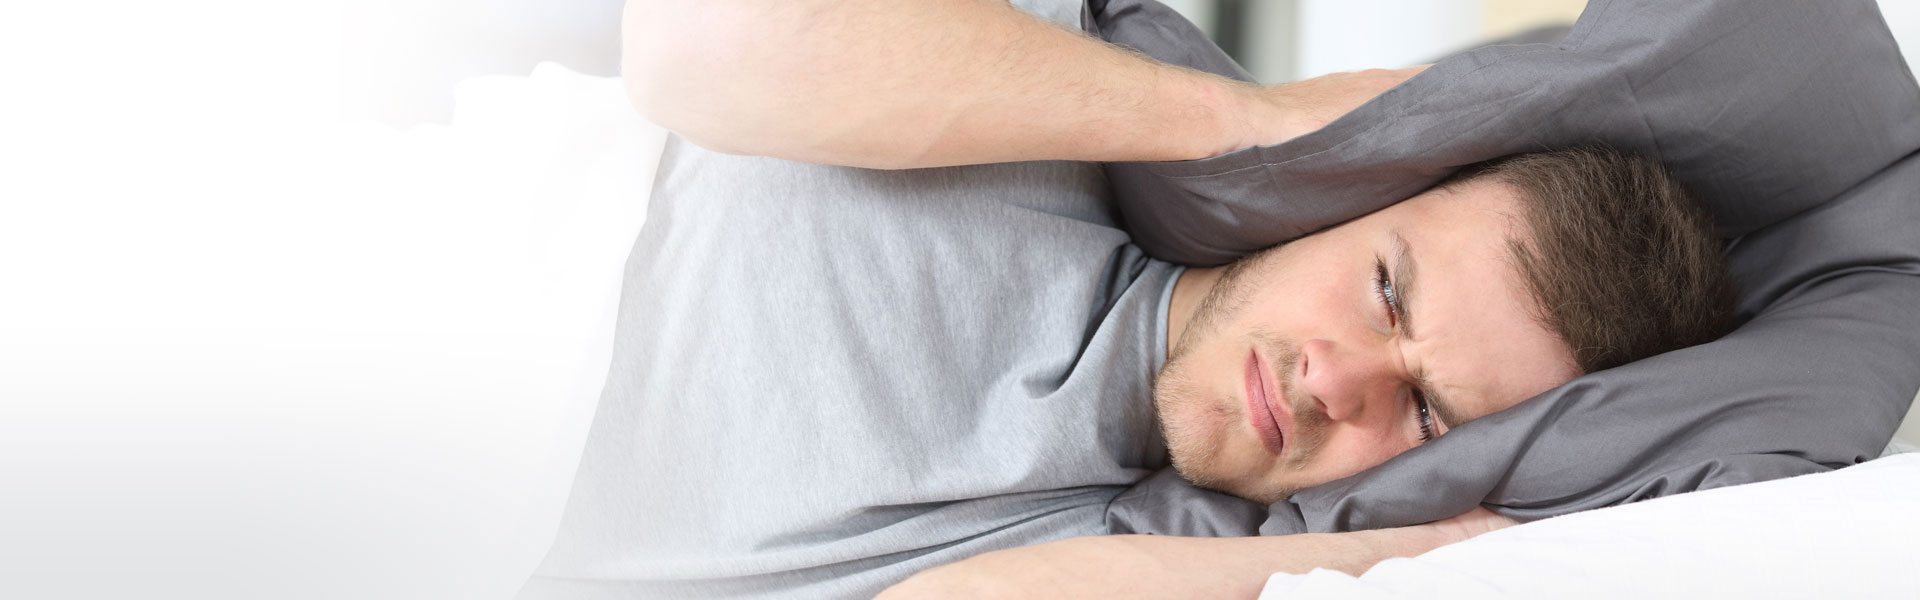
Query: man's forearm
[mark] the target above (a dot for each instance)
(895, 84)
(1144, 566)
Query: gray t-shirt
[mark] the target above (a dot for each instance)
(827, 379)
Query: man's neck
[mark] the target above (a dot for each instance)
(1192, 287)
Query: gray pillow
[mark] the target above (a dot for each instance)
(1795, 122)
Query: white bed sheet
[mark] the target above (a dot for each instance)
(1851, 533)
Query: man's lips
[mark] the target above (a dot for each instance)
(1277, 399)
(1260, 405)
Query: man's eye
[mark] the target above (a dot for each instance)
(1423, 415)
(1383, 287)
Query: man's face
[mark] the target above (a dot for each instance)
(1297, 369)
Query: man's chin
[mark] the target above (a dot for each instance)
(1201, 477)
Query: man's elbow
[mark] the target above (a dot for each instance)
(653, 93)
(690, 67)
(657, 40)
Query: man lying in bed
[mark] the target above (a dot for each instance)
(829, 379)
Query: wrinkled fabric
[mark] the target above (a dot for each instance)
(1795, 123)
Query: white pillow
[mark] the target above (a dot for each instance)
(1844, 534)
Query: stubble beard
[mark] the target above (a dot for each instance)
(1191, 425)
(1195, 426)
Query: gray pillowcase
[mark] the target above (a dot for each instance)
(1795, 123)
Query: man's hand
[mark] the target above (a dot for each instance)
(1301, 107)
(1149, 566)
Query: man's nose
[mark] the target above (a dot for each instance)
(1347, 379)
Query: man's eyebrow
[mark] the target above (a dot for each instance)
(1403, 284)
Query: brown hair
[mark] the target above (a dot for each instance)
(1622, 262)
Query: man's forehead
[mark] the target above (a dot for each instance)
(1460, 235)
(1480, 343)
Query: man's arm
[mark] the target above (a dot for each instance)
(1148, 566)
(900, 84)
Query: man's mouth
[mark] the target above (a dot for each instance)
(1260, 405)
